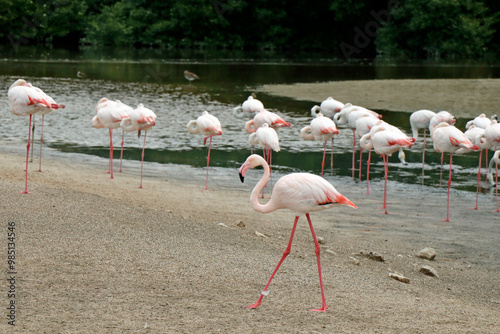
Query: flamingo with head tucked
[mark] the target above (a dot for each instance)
(494, 160)
(421, 119)
(301, 193)
(440, 117)
(27, 100)
(109, 115)
(209, 126)
(328, 108)
(448, 138)
(249, 108)
(385, 140)
(141, 119)
(264, 116)
(321, 129)
(267, 138)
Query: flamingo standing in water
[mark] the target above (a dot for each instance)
(265, 116)
(348, 116)
(26, 100)
(421, 119)
(321, 129)
(248, 108)
(109, 115)
(477, 137)
(209, 126)
(440, 117)
(141, 119)
(492, 133)
(267, 138)
(301, 193)
(328, 108)
(385, 140)
(364, 124)
(448, 138)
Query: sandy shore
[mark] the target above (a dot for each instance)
(96, 255)
(465, 98)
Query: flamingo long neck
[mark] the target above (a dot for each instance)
(268, 207)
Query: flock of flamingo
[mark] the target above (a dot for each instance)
(301, 193)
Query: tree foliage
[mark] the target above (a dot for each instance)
(413, 28)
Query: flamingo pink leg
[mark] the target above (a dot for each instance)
(496, 188)
(111, 152)
(478, 188)
(142, 157)
(423, 158)
(386, 167)
(121, 153)
(368, 172)
(208, 157)
(270, 158)
(441, 174)
(448, 201)
(331, 160)
(323, 162)
(487, 168)
(32, 139)
(41, 143)
(317, 250)
(353, 152)
(27, 158)
(283, 257)
(360, 161)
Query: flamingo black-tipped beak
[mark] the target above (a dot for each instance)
(242, 178)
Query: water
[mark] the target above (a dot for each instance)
(159, 84)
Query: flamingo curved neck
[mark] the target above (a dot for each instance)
(268, 207)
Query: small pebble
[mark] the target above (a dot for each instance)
(400, 278)
(241, 224)
(223, 225)
(261, 235)
(321, 240)
(354, 260)
(373, 256)
(427, 253)
(428, 270)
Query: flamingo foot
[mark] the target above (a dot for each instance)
(476, 208)
(497, 210)
(257, 304)
(446, 220)
(323, 309)
(140, 187)
(24, 192)
(39, 171)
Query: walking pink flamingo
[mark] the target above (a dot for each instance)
(495, 159)
(321, 129)
(141, 119)
(265, 116)
(448, 138)
(209, 126)
(328, 108)
(385, 140)
(477, 137)
(421, 119)
(26, 100)
(109, 115)
(248, 108)
(301, 193)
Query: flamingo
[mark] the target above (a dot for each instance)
(442, 116)
(190, 76)
(109, 115)
(447, 138)
(141, 119)
(209, 126)
(348, 116)
(321, 129)
(328, 108)
(385, 140)
(477, 137)
(268, 139)
(265, 116)
(481, 121)
(495, 159)
(248, 108)
(421, 119)
(27, 100)
(301, 193)
(364, 124)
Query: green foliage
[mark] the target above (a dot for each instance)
(438, 28)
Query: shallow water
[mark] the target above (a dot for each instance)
(160, 86)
